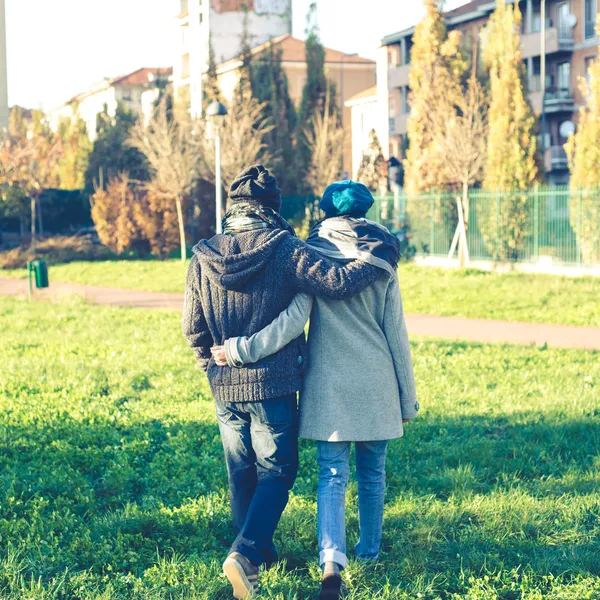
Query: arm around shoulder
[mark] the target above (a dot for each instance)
(313, 273)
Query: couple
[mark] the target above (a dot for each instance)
(249, 294)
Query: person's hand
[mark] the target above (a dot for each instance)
(219, 355)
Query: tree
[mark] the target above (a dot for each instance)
(111, 154)
(316, 89)
(173, 156)
(437, 67)
(29, 159)
(270, 87)
(325, 139)
(583, 151)
(512, 149)
(373, 171)
(77, 147)
(211, 83)
(243, 141)
(462, 136)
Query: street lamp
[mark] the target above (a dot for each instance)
(216, 111)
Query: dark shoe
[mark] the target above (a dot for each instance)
(242, 574)
(331, 587)
(332, 584)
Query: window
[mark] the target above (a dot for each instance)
(185, 65)
(589, 60)
(394, 56)
(564, 76)
(404, 107)
(201, 18)
(590, 12)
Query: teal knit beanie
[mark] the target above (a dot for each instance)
(346, 198)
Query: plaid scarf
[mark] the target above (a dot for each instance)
(249, 216)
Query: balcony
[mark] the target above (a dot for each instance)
(398, 76)
(558, 39)
(555, 159)
(557, 100)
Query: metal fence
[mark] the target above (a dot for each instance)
(547, 224)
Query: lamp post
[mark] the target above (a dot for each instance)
(217, 111)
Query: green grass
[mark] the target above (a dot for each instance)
(112, 482)
(469, 293)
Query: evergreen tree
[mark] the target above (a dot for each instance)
(76, 151)
(270, 87)
(437, 67)
(512, 149)
(211, 82)
(110, 154)
(244, 88)
(583, 151)
(317, 90)
(373, 171)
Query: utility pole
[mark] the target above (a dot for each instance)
(3, 70)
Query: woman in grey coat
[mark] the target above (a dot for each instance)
(359, 384)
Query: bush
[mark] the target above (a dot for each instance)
(60, 249)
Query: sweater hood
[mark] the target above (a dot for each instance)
(231, 261)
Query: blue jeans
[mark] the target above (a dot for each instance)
(333, 459)
(260, 440)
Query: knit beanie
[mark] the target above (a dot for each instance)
(346, 198)
(256, 184)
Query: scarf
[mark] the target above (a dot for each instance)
(250, 216)
(354, 238)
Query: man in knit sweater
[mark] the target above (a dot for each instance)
(237, 283)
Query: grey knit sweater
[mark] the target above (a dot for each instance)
(237, 284)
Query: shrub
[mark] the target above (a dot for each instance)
(59, 249)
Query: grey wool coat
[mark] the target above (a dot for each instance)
(359, 382)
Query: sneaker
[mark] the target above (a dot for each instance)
(242, 574)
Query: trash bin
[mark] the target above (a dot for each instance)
(39, 269)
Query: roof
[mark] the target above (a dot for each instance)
(467, 12)
(140, 77)
(368, 94)
(293, 50)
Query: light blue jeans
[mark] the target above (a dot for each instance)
(334, 473)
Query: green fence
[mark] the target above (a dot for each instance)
(549, 224)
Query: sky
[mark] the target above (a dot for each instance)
(59, 48)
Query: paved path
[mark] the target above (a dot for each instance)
(479, 330)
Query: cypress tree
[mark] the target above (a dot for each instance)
(437, 67)
(583, 151)
(512, 148)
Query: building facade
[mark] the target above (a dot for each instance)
(220, 23)
(3, 71)
(364, 110)
(351, 74)
(136, 91)
(570, 46)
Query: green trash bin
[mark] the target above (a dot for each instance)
(38, 270)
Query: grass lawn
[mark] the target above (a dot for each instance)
(112, 482)
(471, 293)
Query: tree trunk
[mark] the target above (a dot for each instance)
(33, 205)
(21, 229)
(181, 228)
(462, 251)
(39, 217)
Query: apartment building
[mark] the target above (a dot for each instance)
(571, 44)
(137, 91)
(202, 23)
(3, 73)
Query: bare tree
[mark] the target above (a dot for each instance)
(461, 137)
(174, 158)
(326, 142)
(242, 132)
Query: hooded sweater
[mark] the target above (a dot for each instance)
(237, 284)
